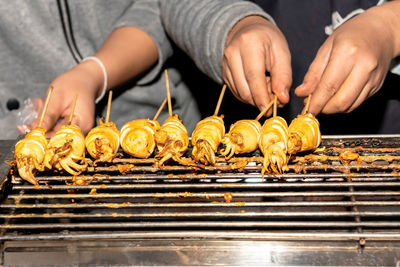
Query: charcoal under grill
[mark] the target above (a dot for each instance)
(133, 212)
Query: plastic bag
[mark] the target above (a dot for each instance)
(14, 123)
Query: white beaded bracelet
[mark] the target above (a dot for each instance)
(103, 91)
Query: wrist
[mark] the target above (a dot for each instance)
(95, 75)
(244, 23)
(394, 10)
(389, 13)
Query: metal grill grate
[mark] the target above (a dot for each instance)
(320, 198)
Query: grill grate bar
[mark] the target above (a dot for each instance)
(235, 176)
(203, 224)
(245, 235)
(210, 185)
(218, 214)
(201, 204)
(228, 168)
(206, 195)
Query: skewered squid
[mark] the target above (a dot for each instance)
(29, 154)
(304, 134)
(206, 138)
(172, 141)
(137, 137)
(65, 149)
(242, 138)
(273, 144)
(102, 142)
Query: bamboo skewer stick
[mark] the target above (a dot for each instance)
(221, 95)
(72, 110)
(46, 104)
(168, 93)
(160, 109)
(307, 104)
(264, 110)
(109, 106)
(275, 106)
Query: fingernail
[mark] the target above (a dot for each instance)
(23, 128)
(300, 86)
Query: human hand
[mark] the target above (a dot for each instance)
(352, 63)
(85, 81)
(253, 47)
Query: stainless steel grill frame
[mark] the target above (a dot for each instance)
(321, 202)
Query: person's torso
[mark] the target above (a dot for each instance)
(306, 25)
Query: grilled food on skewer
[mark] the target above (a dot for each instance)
(172, 138)
(65, 149)
(273, 144)
(102, 142)
(30, 151)
(137, 137)
(242, 138)
(206, 138)
(304, 134)
(208, 134)
(172, 141)
(243, 135)
(29, 154)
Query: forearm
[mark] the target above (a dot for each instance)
(390, 15)
(127, 53)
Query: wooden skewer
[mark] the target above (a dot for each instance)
(275, 106)
(46, 104)
(168, 93)
(109, 105)
(160, 109)
(264, 110)
(221, 95)
(307, 104)
(72, 110)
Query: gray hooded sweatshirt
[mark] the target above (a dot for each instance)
(34, 51)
